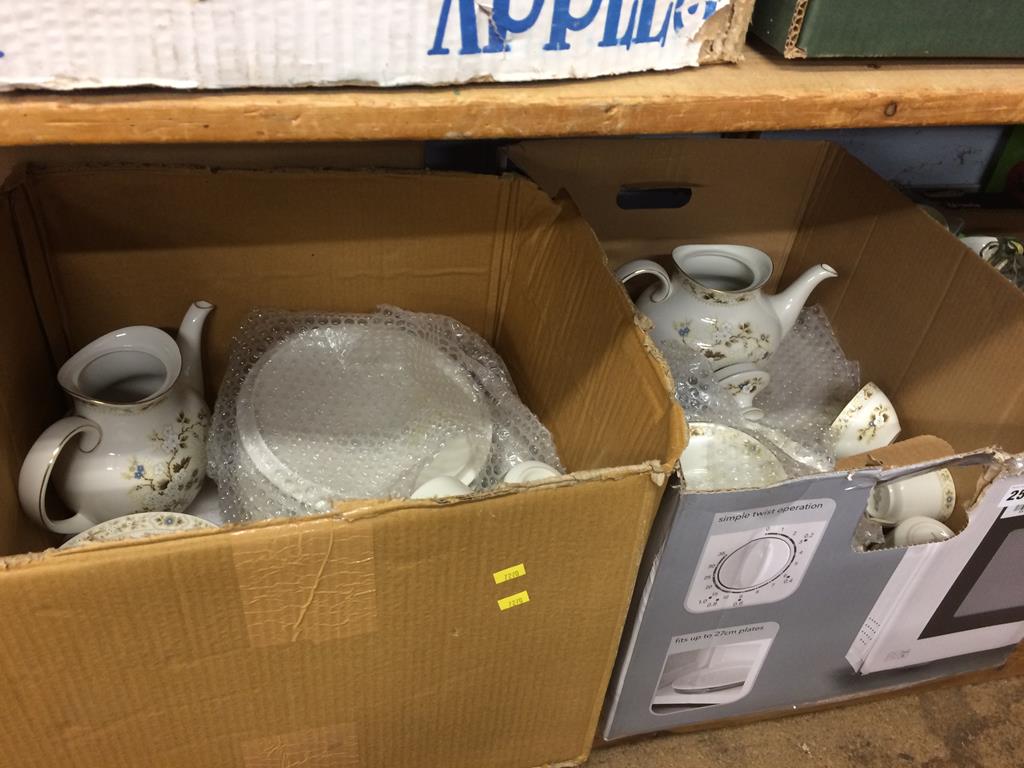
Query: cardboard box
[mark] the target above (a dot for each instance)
(63, 44)
(829, 28)
(371, 636)
(934, 326)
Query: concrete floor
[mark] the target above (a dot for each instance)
(976, 726)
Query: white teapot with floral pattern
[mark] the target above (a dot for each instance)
(714, 303)
(137, 439)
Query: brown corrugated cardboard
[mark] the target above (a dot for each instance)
(902, 453)
(934, 338)
(373, 636)
(937, 329)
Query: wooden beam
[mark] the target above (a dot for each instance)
(764, 92)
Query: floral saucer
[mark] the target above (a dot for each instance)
(138, 526)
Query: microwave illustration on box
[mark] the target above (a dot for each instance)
(956, 597)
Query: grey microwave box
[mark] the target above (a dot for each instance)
(935, 327)
(758, 602)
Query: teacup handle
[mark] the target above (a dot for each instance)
(627, 272)
(39, 464)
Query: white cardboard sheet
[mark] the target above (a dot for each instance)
(68, 44)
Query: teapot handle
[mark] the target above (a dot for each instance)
(627, 272)
(39, 464)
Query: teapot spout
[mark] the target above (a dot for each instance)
(788, 303)
(190, 343)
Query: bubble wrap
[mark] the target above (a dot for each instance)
(811, 380)
(698, 391)
(318, 408)
(706, 401)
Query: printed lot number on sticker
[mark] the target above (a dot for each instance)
(1013, 503)
(507, 574)
(519, 598)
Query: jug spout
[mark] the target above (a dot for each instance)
(190, 343)
(788, 303)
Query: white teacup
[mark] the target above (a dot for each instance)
(867, 422)
(932, 495)
(529, 471)
(441, 487)
(980, 243)
(918, 530)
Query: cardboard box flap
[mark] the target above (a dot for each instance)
(551, 295)
(932, 332)
(265, 240)
(645, 196)
(903, 453)
(329, 615)
(31, 398)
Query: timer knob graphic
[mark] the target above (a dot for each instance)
(756, 563)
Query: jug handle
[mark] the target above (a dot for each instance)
(39, 464)
(627, 272)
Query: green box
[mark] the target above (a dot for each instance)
(872, 28)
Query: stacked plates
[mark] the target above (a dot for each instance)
(356, 411)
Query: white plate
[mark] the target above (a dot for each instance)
(711, 679)
(352, 410)
(138, 526)
(722, 458)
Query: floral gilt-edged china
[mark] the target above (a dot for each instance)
(932, 494)
(718, 457)
(138, 526)
(136, 441)
(918, 530)
(867, 422)
(744, 381)
(713, 302)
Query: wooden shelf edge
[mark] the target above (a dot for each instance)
(761, 93)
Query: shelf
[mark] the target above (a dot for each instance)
(764, 92)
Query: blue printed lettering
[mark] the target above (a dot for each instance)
(502, 23)
(645, 23)
(467, 27)
(611, 24)
(643, 27)
(562, 21)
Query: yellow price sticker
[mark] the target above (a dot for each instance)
(507, 574)
(519, 598)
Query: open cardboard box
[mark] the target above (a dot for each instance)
(935, 327)
(373, 635)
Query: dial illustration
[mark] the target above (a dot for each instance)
(753, 557)
(755, 564)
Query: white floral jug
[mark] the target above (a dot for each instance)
(137, 439)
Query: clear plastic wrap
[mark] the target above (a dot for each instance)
(318, 408)
(810, 381)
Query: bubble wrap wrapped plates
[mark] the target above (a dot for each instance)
(810, 379)
(317, 408)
